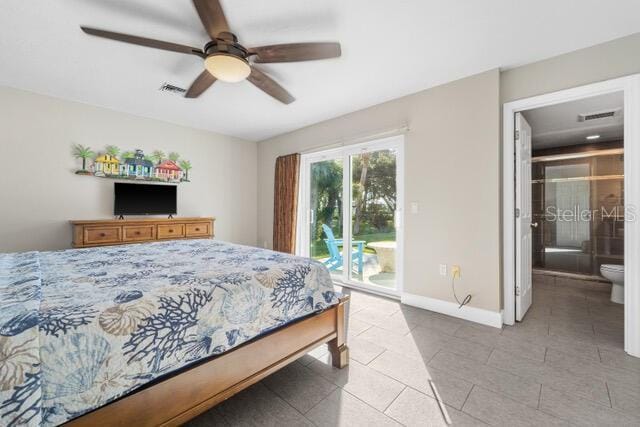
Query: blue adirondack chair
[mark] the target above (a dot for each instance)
(335, 254)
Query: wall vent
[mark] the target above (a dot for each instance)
(598, 115)
(166, 87)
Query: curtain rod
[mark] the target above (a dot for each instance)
(354, 139)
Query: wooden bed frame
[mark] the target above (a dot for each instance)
(179, 398)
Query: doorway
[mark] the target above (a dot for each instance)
(558, 225)
(350, 213)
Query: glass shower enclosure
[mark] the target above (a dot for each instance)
(578, 207)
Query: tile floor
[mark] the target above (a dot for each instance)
(563, 365)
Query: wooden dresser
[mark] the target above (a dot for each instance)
(122, 231)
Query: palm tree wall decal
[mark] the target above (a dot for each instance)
(112, 150)
(127, 164)
(84, 153)
(186, 167)
(158, 156)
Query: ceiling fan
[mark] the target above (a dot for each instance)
(227, 60)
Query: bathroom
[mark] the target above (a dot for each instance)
(578, 212)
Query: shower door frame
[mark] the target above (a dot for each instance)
(630, 86)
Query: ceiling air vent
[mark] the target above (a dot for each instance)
(166, 87)
(598, 115)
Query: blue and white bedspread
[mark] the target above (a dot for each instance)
(80, 328)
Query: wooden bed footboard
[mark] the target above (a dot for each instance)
(178, 399)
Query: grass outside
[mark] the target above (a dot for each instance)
(319, 247)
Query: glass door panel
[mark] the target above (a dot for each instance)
(350, 213)
(326, 214)
(579, 204)
(373, 218)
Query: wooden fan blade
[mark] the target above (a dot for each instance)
(269, 86)
(142, 41)
(202, 83)
(212, 17)
(296, 52)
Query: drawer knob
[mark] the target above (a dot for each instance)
(137, 232)
(197, 229)
(103, 235)
(171, 230)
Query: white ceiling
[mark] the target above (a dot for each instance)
(558, 125)
(390, 49)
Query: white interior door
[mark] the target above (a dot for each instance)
(524, 291)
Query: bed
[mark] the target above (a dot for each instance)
(154, 333)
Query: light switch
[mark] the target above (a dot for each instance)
(443, 269)
(415, 207)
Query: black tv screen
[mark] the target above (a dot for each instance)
(145, 199)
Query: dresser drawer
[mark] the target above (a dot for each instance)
(132, 233)
(198, 229)
(102, 235)
(121, 231)
(171, 231)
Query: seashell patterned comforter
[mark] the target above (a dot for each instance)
(82, 327)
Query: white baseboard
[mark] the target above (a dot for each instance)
(472, 314)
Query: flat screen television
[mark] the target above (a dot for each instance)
(145, 199)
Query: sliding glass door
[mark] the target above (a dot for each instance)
(373, 217)
(325, 213)
(350, 212)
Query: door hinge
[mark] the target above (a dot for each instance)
(517, 135)
(517, 212)
(517, 291)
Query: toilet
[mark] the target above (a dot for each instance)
(614, 273)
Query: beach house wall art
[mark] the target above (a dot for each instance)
(116, 164)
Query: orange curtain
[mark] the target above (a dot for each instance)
(285, 203)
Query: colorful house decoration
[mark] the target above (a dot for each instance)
(106, 164)
(168, 170)
(137, 166)
(132, 164)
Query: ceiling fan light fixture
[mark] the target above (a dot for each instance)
(228, 68)
(225, 58)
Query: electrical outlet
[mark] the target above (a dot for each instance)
(443, 269)
(455, 271)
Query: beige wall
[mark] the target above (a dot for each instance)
(39, 192)
(617, 58)
(451, 168)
